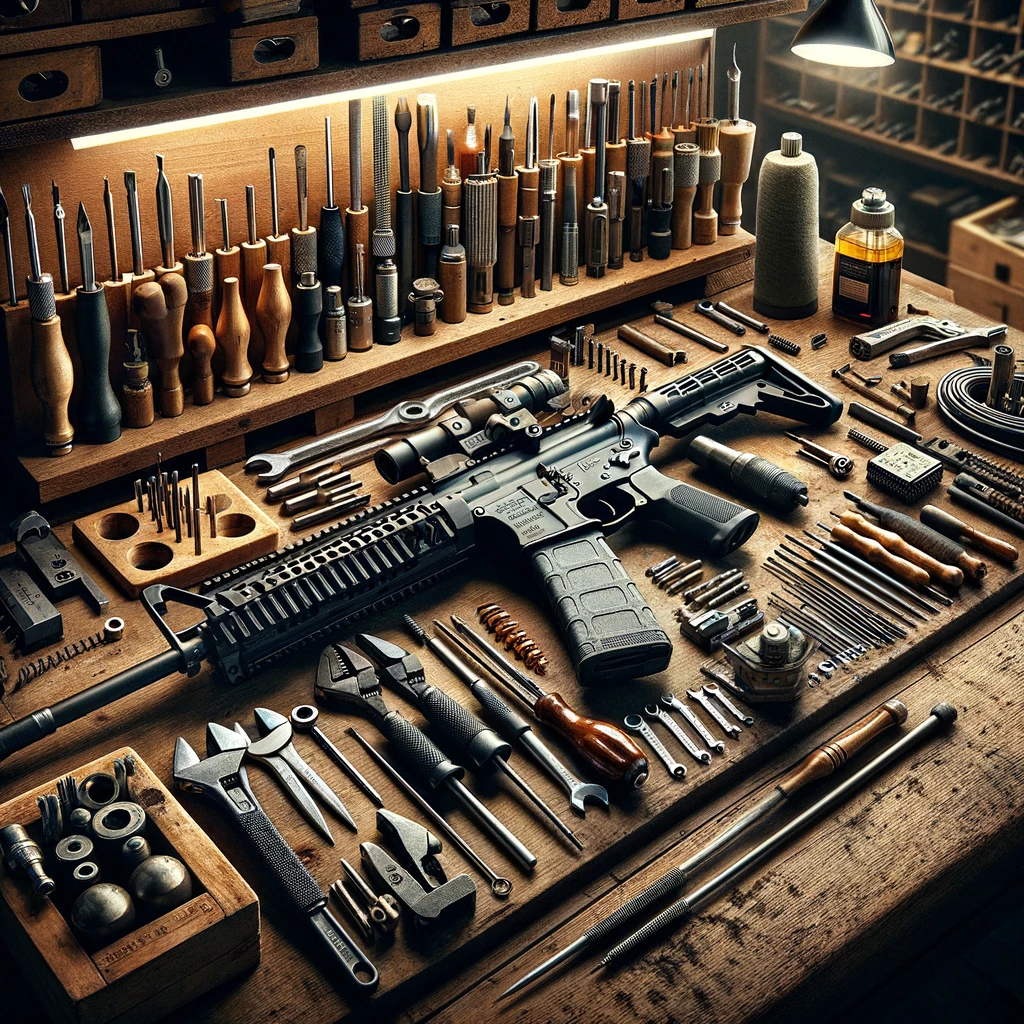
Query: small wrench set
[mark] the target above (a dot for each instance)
(715, 703)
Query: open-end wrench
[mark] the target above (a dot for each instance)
(400, 419)
(653, 711)
(670, 700)
(634, 723)
(707, 308)
(714, 690)
(730, 728)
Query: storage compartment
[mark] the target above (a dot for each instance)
(982, 145)
(475, 22)
(981, 243)
(553, 14)
(856, 108)
(628, 10)
(897, 120)
(940, 133)
(41, 84)
(943, 90)
(384, 32)
(271, 49)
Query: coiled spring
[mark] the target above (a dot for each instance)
(507, 630)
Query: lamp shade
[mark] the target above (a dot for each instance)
(847, 33)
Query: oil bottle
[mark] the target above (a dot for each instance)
(868, 264)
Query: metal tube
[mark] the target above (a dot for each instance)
(275, 223)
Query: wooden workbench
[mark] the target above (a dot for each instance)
(902, 864)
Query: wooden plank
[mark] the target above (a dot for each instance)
(87, 465)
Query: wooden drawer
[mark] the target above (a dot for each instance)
(98, 10)
(385, 32)
(973, 246)
(259, 10)
(272, 49)
(41, 84)
(474, 22)
(985, 296)
(53, 12)
(554, 14)
(629, 10)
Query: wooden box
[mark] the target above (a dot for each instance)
(127, 545)
(259, 10)
(162, 964)
(629, 10)
(52, 12)
(40, 84)
(985, 296)
(974, 248)
(477, 22)
(272, 49)
(98, 10)
(554, 14)
(384, 32)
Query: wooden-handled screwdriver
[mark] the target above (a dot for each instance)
(873, 552)
(160, 306)
(227, 260)
(254, 258)
(165, 222)
(140, 274)
(50, 366)
(948, 575)
(950, 526)
(279, 248)
(117, 291)
(605, 747)
(736, 142)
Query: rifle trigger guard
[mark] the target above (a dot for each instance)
(154, 600)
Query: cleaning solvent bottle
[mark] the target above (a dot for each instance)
(869, 261)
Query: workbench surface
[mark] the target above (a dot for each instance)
(901, 865)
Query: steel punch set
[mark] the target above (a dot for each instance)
(446, 678)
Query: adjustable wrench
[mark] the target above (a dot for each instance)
(670, 700)
(653, 711)
(400, 419)
(714, 690)
(634, 723)
(704, 701)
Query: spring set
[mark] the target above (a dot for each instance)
(671, 575)
(791, 348)
(507, 630)
(70, 651)
(867, 441)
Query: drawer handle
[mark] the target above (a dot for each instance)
(564, 6)
(273, 49)
(400, 28)
(489, 14)
(18, 8)
(43, 85)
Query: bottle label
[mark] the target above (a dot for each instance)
(867, 292)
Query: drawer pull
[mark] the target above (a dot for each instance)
(43, 85)
(490, 14)
(273, 49)
(400, 28)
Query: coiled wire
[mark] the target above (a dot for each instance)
(960, 396)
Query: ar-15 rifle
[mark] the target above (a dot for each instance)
(499, 480)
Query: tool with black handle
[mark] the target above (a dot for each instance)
(508, 199)
(331, 233)
(345, 678)
(62, 247)
(405, 235)
(428, 205)
(458, 728)
(387, 324)
(221, 777)
(943, 522)
(5, 230)
(596, 233)
(99, 415)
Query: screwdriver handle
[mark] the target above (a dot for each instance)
(824, 760)
(939, 519)
(605, 747)
(357, 232)
(428, 209)
(279, 251)
(198, 273)
(873, 552)
(419, 752)
(201, 346)
(473, 741)
(233, 338)
(99, 418)
(307, 305)
(52, 379)
(274, 314)
(331, 242)
(254, 258)
(947, 575)
(510, 722)
(161, 308)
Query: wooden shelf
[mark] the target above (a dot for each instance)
(213, 97)
(228, 419)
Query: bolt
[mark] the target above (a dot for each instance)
(643, 379)
(632, 376)
(162, 78)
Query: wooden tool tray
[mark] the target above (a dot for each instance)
(163, 963)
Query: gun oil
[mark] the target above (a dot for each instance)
(868, 263)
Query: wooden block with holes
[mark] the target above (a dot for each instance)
(40, 84)
(629, 10)
(554, 14)
(271, 49)
(476, 22)
(134, 553)
(53, 12)
(162, 964)
(390, 31)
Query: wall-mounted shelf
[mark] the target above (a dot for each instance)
(219, 428)
(211, 96)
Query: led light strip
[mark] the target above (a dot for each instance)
(225, 117)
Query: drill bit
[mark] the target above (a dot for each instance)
(58, 227)
(225, 233)
(134, 222)
(387, 325)
(164, 215)
(85, 250)
(331, 234)
(5, 230)
(108, 207)
(733, 74)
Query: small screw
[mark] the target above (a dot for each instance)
(590, 354)
(162, 78)
(643, 379)
(632, 376)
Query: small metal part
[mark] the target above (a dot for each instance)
(632, 376)
(635, 723)
(714, 690)
(661, 715)
(117, 822)
(384, 910)
(499, 622)
(710, 309)
(160, 883)
(162, 77)
(744, 318)
(670, 700)
(776, 341)
(356, 914)
(643, 379)
(58, 226)
(98, 790)
(730, 728)
(819, 341)
(840, 466)
(919, 391)
(102, 914)
(113, 629)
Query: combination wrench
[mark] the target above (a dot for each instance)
(670, 700)
(634, 723)
(714, 690)
(653, 711)
(705, 702)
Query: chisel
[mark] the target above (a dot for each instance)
(508, 200)
(254, 258)
(331, 238)
(165, 222)
(279, 249)
(58, 228)
(429, 206)
(99, 415)
(50, 364)
(405, 240)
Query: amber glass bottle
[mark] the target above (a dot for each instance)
(868, 264)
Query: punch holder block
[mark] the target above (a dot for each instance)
(127, 546)
(269, 50)
(165, 962)
(383, 32)
(41, 84)
(477, 21)
(555, 14)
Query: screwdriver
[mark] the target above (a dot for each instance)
(548, 205)
(387, 325)
(99, 415)
(198, 262)
(227, 260)
(357, 216)
(571, 158)
(165, 221)
(429, 205)
(254, 259)
(405, 241)
(615, 178)
(948, 525)
(638, 164)
(5, 230)
(508, 199)
(529, 205)
(596, 233)
(451, 187)
(605, 747)
(279, 249)
(331, 253)
(479, 743)
(304, 235)
(108, 209)
(51, 369)
(58, 227)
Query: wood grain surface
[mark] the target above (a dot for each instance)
(872, 885)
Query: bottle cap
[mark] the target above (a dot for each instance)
(792, 144)
(873, 210)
